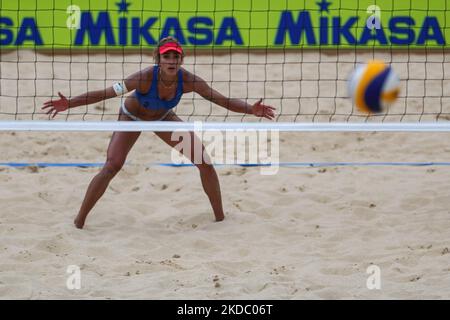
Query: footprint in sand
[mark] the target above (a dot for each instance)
(314, 287)
(192, 223)
(287, 201)
(243, 252)
(171, 264)
(414, 203)
(320, 198)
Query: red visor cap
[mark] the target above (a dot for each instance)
(170, 46)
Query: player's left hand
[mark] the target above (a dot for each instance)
(261, 110)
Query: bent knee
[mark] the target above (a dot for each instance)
(112, 167)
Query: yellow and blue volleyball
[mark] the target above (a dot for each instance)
(373, 87)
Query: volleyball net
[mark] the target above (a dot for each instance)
(295, 55)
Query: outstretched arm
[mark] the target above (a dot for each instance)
(131, 83)
(237, 105)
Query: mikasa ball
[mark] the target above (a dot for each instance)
(373, 86)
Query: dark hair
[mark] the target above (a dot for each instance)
(163, 41)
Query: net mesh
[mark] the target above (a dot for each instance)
(306, 83)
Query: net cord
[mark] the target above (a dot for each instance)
(165, 126)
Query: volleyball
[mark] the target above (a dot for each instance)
(373, 87)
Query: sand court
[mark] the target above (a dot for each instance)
(304, 233)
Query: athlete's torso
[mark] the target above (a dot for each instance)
(151, 100)
(149, 105)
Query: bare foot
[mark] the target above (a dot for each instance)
(221, 218)
(79, 224)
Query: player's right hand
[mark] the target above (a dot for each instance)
(56, 105)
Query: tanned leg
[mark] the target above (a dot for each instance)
(119, 147)
(208, 175)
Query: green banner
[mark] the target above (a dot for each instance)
(133, 24)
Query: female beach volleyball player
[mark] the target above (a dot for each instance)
(158, 89)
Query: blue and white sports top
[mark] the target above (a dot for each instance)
(151, 100)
